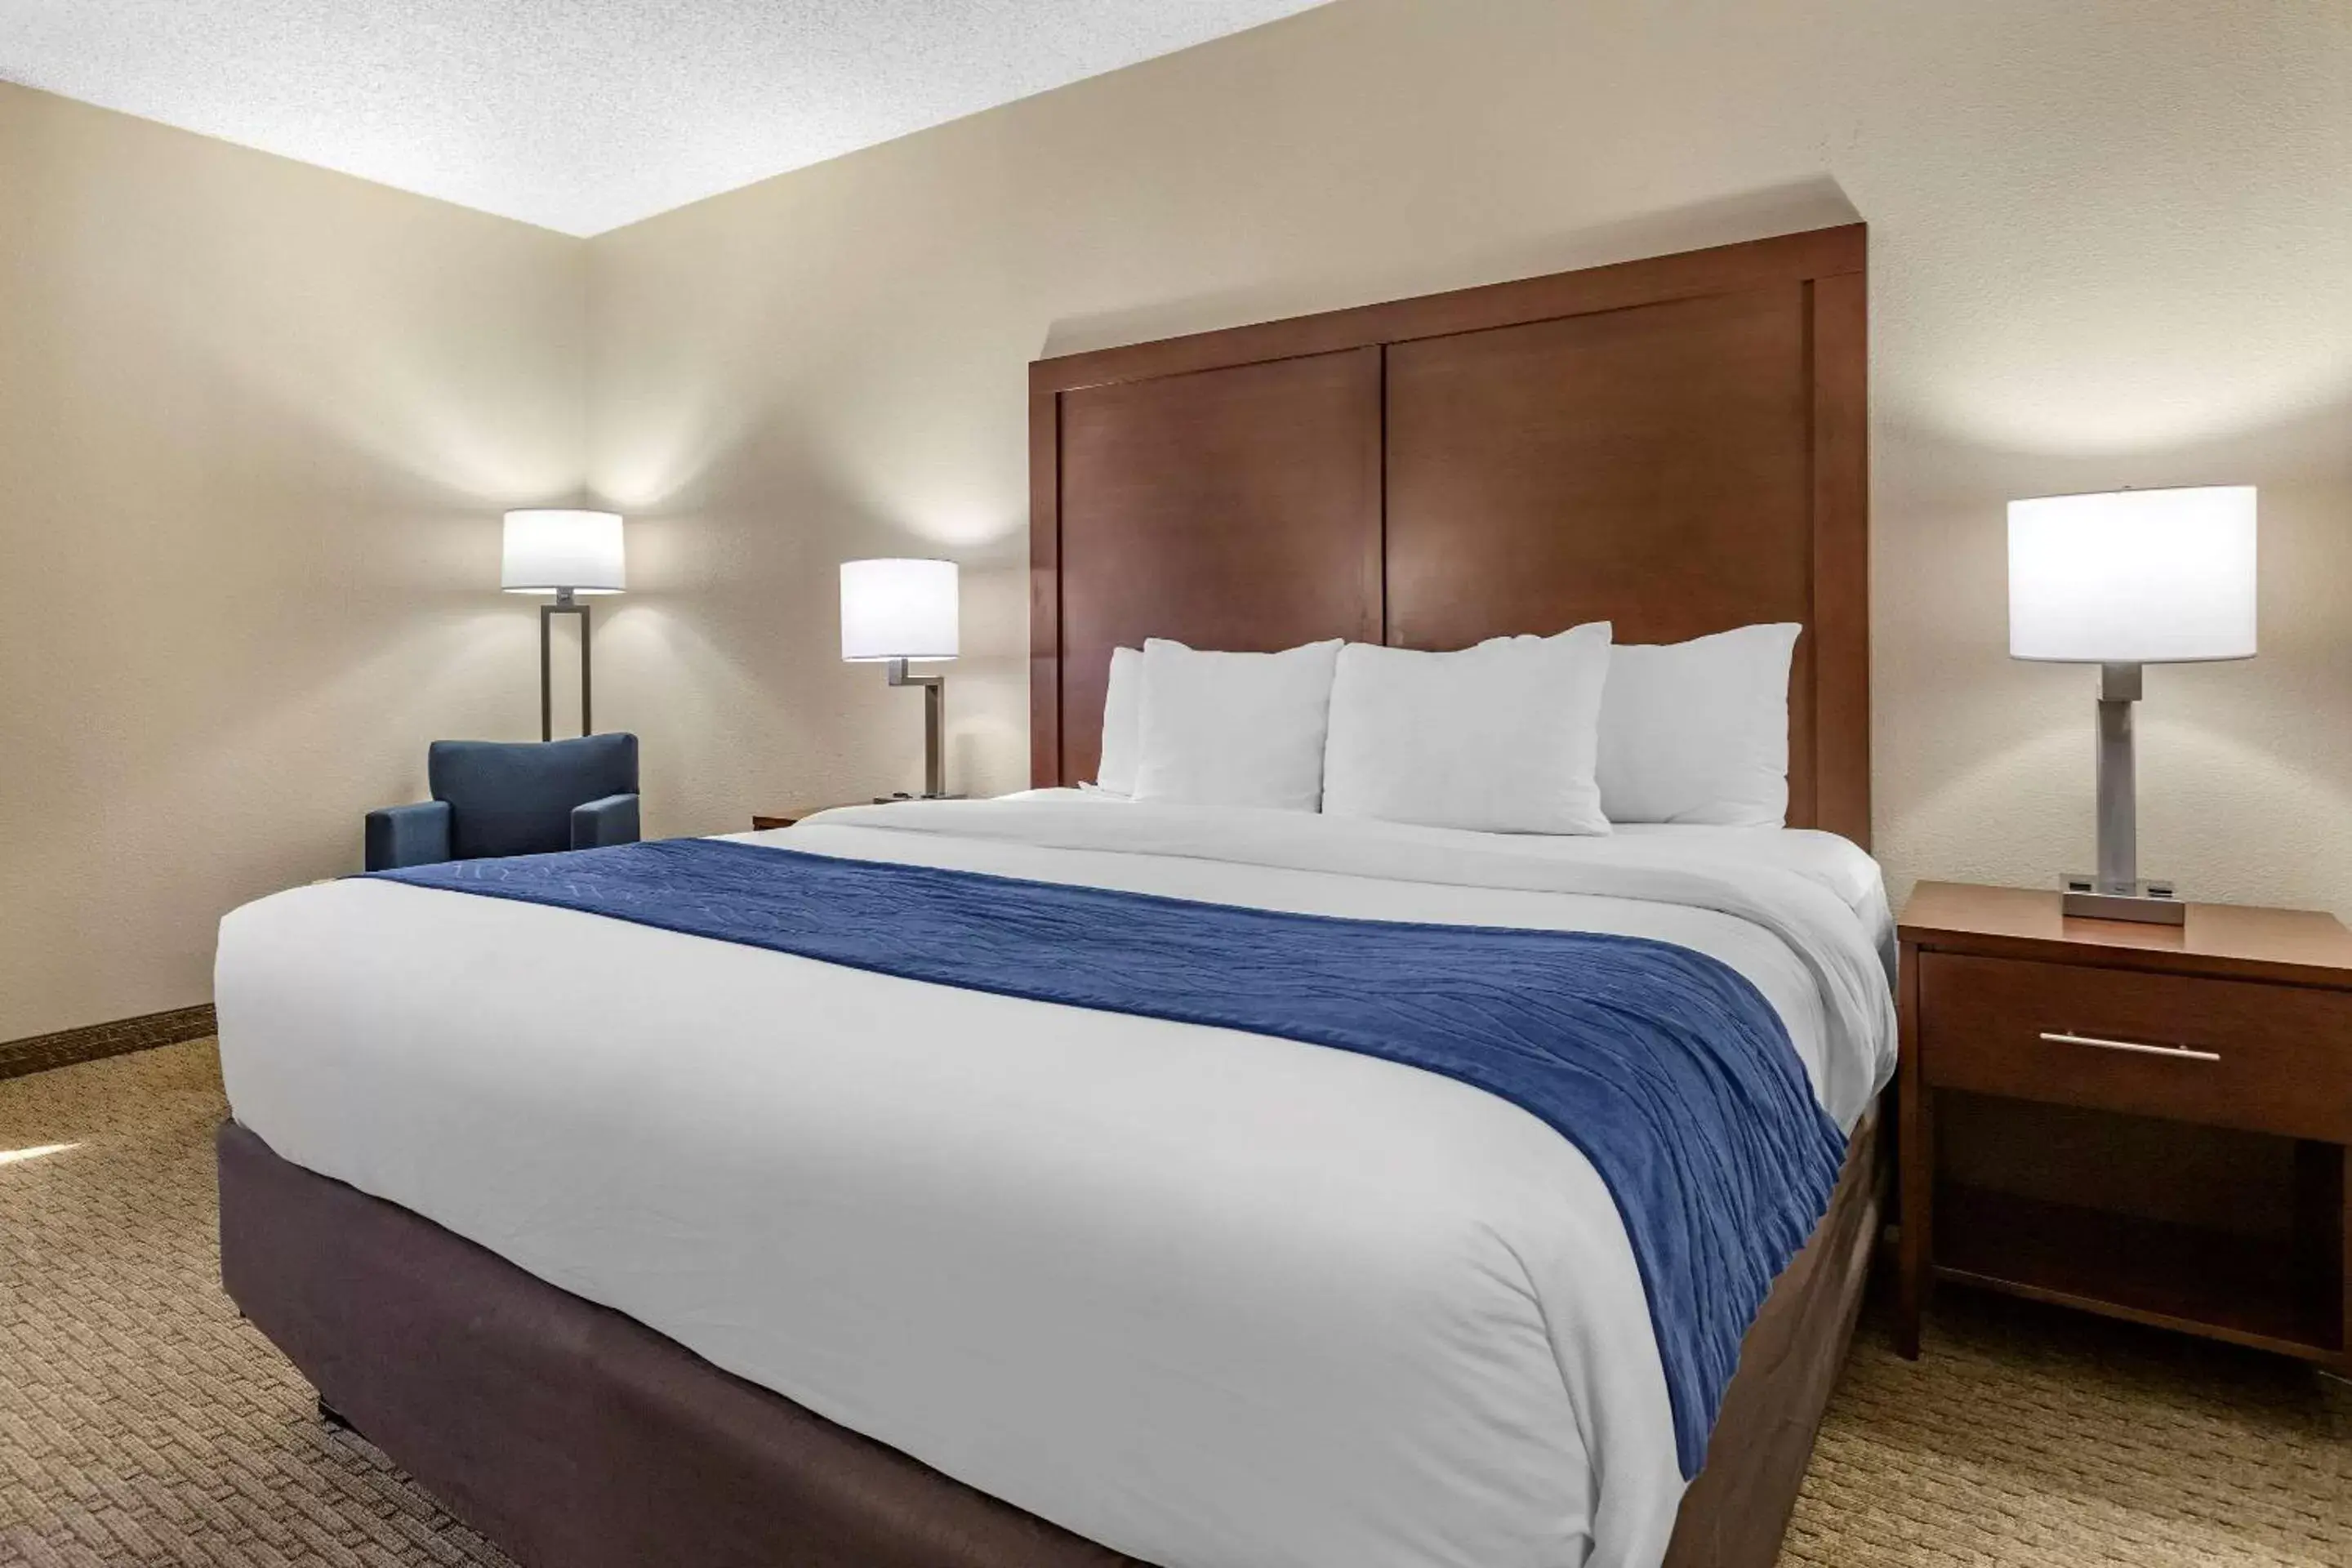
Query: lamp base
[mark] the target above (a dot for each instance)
(2148, 903)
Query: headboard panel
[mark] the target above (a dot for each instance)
(1677, 445)
(1233, 509)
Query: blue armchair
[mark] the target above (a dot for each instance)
(495, 797)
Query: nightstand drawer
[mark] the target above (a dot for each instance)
(2270, 1058)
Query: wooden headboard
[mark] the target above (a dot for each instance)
(1678, 445)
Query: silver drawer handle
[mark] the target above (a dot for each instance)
(2181, 1053)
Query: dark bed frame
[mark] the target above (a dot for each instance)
(1675, 444)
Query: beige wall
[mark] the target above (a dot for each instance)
(2112, 243)
(257, 422)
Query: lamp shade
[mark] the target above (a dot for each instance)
(2133, 576)
(899, 609)
(548, 549)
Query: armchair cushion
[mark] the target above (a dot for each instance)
(612, 820)
(517, 798)
(408, 836)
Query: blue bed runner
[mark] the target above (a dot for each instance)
(1665, 1066)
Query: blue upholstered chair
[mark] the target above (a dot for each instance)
(495, 797)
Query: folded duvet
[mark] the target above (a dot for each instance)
(1663, 1065)
(1210, 1295)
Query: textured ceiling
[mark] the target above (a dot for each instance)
(577, 114)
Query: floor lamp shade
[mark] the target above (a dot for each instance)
(2123, 579)
(554, 551)
(897, 610)
(568, 554)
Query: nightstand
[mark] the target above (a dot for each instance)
(2147, 1121)
(793, 814)
(790, 815)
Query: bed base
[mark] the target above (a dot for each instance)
(576, 1437)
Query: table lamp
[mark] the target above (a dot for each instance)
(566, 553)
(896, 611)
(2122, 579)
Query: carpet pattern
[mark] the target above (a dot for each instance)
(142, 1422)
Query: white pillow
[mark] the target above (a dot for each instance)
(1122, 705)
(1234, 728)
(1499, 737)
(1698, 732)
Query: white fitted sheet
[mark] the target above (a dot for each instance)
(1207, 1297)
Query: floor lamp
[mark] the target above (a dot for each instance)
(569, 554)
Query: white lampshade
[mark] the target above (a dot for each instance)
(549, 550)
(899, 609)
(2133, 576)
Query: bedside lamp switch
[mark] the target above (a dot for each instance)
(2150, 902)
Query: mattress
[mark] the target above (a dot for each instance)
(1206, 1296)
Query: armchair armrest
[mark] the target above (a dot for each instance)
(408, 836)
(612, 820)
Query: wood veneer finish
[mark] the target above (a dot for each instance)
(2231, 941)
(1837, 663)
(93, 1042)
(1678, 445)
(1672, 417)
(769, 821)
(2268, 992)
(1651, 280)
(2214, 1284)
(1985, 1019)
(1236, 509)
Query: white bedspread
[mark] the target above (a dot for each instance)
(1207, 1296)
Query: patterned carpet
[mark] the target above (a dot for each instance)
(141, 1422)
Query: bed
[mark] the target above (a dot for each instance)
(637, 1246)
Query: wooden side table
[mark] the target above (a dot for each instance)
(761, 823)
(2147, 1121)
(791, 814)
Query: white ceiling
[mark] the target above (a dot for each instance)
(581, 115)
